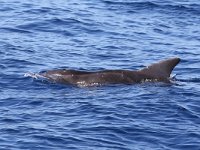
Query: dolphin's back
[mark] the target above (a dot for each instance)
(156, 72)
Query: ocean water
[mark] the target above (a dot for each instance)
(97, 35)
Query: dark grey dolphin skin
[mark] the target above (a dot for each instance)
(159, 71)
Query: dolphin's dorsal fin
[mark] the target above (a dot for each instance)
(161, 69)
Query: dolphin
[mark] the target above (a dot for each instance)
(156, 72)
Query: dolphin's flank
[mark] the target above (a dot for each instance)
(159, 71)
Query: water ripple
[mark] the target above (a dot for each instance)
(193, 9)
(9, 29)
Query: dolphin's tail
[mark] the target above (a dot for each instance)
(162, 69)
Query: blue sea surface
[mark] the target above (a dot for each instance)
(96, 35)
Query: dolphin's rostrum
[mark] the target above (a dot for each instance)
(159, 71)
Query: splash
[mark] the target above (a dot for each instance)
(34, 75)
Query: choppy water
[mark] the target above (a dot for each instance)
(92, 35)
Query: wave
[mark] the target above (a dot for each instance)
(194, 80)
(14, 62)
(65, 26)
(11, 29)
(192, 8)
